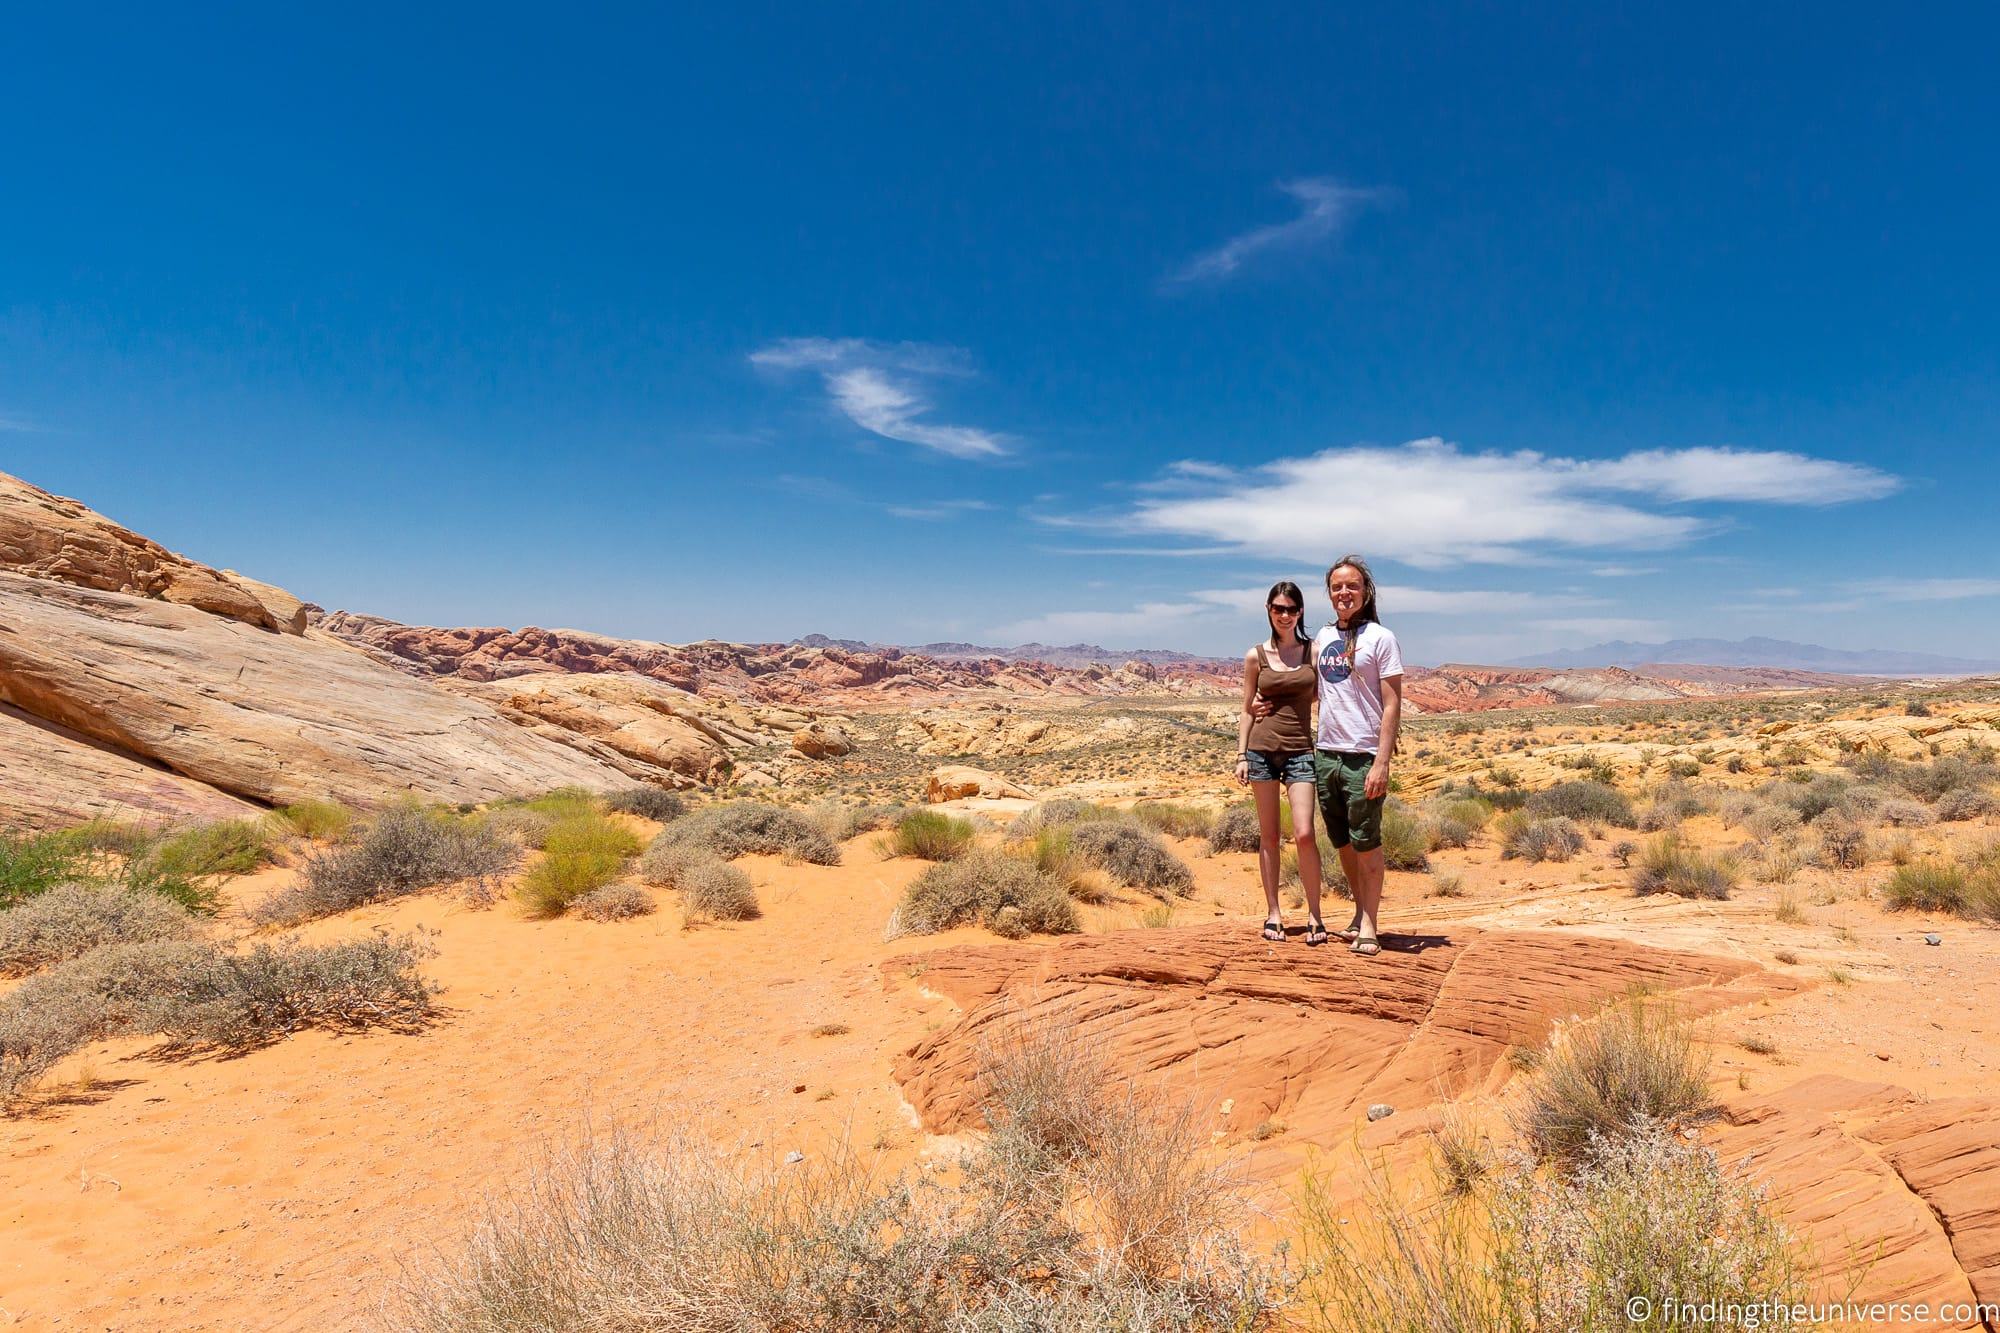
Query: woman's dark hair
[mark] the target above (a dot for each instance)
(1366, 614)
(1285, 588)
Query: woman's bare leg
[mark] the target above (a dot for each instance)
(1304, 837)
(1270, 844)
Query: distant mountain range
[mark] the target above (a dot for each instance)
(1761, 652)
(1070, 655)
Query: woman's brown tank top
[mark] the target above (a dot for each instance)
(1289, 727)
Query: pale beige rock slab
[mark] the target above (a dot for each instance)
(269, 717)
(51, 777)
(50, 537)
(955, 782)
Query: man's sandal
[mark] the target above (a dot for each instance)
(1347, 934)
(1367, 948)
(1274, 931)
(1315, 933)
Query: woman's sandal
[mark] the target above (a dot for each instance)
(1367, 948)
(1274, 931)
(1315, 932)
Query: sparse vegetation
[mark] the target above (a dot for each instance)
(1006, 894)
(1843, 844)
(717, 891)
(1552, 839)
(1089, 1205)
(1448, 886)
(932, 835)
(740, 827)
(320, 821)
(1938, 886)
(1407, 840)
(404, 850)
(1634, 1065)
(647, 802)
(1174, 819)
(32, 864)
(1585, 800)
(72, 919)
(1235, 831)
(1133, 856)
(1670, 865)
(614, 902)
(1956, 807)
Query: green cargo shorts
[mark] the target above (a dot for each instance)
(1341, 779)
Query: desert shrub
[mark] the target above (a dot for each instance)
(1235, 831)
(196, 993)
(1133, 856)
(124, 837)
(1133, 1230)
(1532, 1249)
(1939, 886)
(1448, 832)
(1771, 821)
(666, 863)
(1634, 1065)
(72, 919)
(561, 803)
(932, 835)
(717, 891)
(1904, 814)
(1474, 811)
(1552, 839)
(1585, 800)
(526, 827)
(231, 847)
(1006, 894)
(1958, 806)
(648, 802)
(321, 821)
(1052, 814)
(581, 853)
(842, 822)
(1930, 781)
(613, 902)
(1843, 844)
(1174, 820)
(1407, 839)
(1669, 865)
(35, 863)
(1052, 851)
(404, 849)
(1824, 792)
(739, 827)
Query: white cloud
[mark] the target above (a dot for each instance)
(1624, 571)
(936, 510)
(1711, 473)
(879, 387)
(16, 423)
(1928, 590)
(1431, 504)
(1325, 207)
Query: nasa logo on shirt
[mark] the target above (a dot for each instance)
(1336, 660)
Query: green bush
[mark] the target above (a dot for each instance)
(1176, 821)
(1407, 840)
(72, 919)
(404, 850)
(648, 802)
(113, 835)
(1588, 801)
(1552, 839)
(1004, 893)
(321, 821)
(31, 864)
(1939, 886)
(717, 891)
(1668, 865)
(581, 853)
(740, 827)
(1133, 856)
(932, 835)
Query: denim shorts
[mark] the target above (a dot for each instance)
(1287, 766)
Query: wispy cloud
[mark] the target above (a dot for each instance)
(16, 423)
(1623, 571)
(1432, 504)
(937, 510)
(1325, 208)
(880, 387)
(1928, 590)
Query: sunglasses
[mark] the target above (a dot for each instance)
(1283, 609)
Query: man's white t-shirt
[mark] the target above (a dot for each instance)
(1350, 689)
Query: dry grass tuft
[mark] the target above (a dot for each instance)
(404, 850)
(614, 902)
(717, 891)
(1235, 831)
(1006, 894)
(739, 827)
(648, 802)
(932, 835)
(1552, 839)
(1133, 856)
(1668, 865)
(1635, 1064)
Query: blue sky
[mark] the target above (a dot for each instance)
(919, 322)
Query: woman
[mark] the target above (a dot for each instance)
(1274, 742)
(1360, 710)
